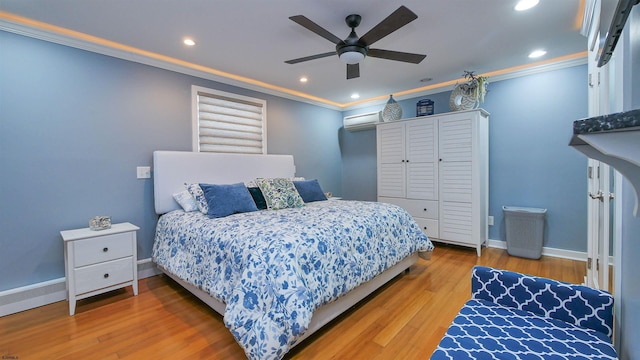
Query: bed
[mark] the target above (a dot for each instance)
(276, 276)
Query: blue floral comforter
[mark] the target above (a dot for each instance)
(272, 269)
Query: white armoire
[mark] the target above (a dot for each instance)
(437, 168)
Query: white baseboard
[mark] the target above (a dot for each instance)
(32, 296)
(547, 251)
(146, 268)
(51, 291)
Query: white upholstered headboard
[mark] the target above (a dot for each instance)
(172, 169)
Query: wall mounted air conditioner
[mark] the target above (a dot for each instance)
(361, 121)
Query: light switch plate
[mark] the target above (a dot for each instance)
(144, 172)
(490, 222)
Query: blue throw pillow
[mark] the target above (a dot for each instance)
(310, 190)
(225, 200)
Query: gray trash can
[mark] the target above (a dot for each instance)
(525, 231)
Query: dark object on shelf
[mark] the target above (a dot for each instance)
(424, 107)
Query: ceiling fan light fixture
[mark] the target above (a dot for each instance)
(351, 57)
(354, 49)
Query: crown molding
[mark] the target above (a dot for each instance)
(495, 76)
(41, 31)
(30, 28)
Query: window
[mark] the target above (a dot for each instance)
(228, 123)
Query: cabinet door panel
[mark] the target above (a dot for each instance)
(391, 180)
(391, 143)
(456, 181)
(456, 221)
(422, 181)
(422, 141)
(456, 141)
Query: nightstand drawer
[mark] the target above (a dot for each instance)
(102, 248)
(103, 275)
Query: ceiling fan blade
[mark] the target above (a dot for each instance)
(312, 57)
(311, 26)
(393, 22)
(396, 55)
(353, 71)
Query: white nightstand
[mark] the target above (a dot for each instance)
(99, 261)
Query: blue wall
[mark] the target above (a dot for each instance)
(73, 127)
(530, 162)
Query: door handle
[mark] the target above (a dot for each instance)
(598, 196)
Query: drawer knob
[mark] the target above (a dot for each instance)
(105, 249)
(425, 209)
(106, 276)
(425, 228)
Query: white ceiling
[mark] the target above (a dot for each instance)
(253, 38)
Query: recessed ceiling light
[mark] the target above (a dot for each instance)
(526, 4)
(355, 96)
(537, 54)
(189, 42)
(304, 79)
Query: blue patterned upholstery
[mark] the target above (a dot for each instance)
(517, 316)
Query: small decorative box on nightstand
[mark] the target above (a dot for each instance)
(99, 261)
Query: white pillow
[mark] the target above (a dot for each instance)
(198, 195)
(185, 200)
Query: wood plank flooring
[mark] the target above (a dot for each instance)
(403, 320)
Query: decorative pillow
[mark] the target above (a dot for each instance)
(258, 198)
(279, 193)
(310, 190)
(198, 196)
(186, 201)
(225, 200)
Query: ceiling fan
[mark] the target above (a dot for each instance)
(354, 49)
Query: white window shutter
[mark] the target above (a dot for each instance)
(228, 123)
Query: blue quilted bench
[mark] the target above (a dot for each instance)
(516, 316)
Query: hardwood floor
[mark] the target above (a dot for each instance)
(403, 320)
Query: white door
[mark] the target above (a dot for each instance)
(391, 160)
(599, 184)
(456, 178)
(599, 225)
(422, 159)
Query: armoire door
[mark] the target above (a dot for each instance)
(456, 177)
(422, 159)
(391, 160)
